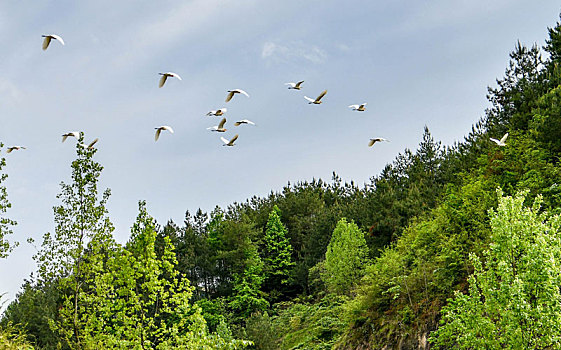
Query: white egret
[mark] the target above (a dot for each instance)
(231, 94)
(500, 142)
(48, 39)
(75, 134)
(317, 101)
(218, 112)
(358, 108)
(229, 143)
(243, 121)
(159, 130)
(376, 139)
(165, 77)
(295, 86)
(219, 127)
(14, 148)
(90, 146)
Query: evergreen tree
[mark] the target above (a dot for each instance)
(278, 251)
(5, 223)
(346, 257)
(514, 301)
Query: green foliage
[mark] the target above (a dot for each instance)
(278, 251)
(247, 297)
(303, 325)
(513, 299)
(5, 223)
(73, 258)
(346, 257)
(13, 338)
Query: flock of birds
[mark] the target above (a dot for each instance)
(219, 112)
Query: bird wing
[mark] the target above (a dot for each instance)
(158, 130)
(495, 140)
(224, 140)
(76, 134)
(242, 92)
(163, 80)
(56, 37)
(298, 84)
(222, 122)
(93, 143)
(321, 95)
(168, 128)
(238, 123)
(230, 95)
(9, 150)
(233, 139)
(504, 138)
(372, 141)
(248, 121)
(46, 42)
(309, 99)
(175, 75)
(290, 84)
(64, 137)
(354, 106)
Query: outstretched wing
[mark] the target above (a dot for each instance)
(298, 84)
(504, 138)
(163, 80)
(222, 122)
(233, 139)
(311, 100)
(321, 95)
(224, 140)
(230, 95)
(158, 131)
(57, 37)
(46, 42)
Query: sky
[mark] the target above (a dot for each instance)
(415, 63)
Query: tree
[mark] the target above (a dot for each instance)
(278, 251)
(513, 300)
(5, 246)
(346, 257)
(73, 257)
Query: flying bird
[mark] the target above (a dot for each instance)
(217, 112)
(75, 134)
(48, 39)
(317, 101)
(165, 77)
(231, 93)
(243, 121)
(90, 146)
(229, 143)
(159, 130)
(14, 148)
(295, 86)
(376, 139)
(359, 108)
(219, 127)
(500, 142)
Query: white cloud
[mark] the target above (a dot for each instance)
(293, 51)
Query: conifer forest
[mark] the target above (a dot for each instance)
(448, 247)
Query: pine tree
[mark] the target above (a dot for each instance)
(278, 251)
(346, 257)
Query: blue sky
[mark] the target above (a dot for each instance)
(415, 63)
